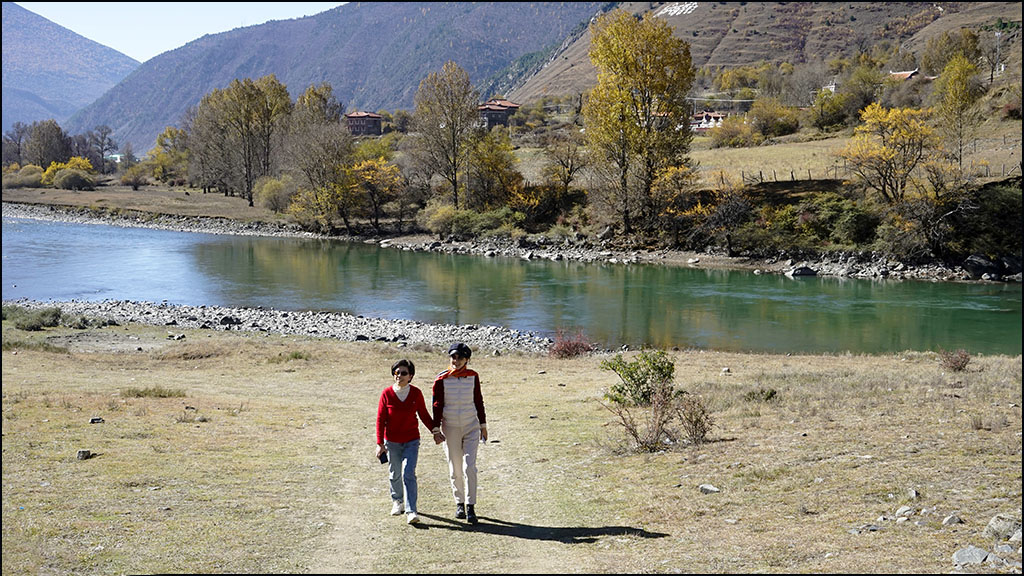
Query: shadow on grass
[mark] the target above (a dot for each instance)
(568, 535)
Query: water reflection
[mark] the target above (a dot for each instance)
(611, 304)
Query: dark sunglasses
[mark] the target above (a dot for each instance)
(458, 356)
(401, 373)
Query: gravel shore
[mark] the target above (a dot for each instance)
(346, 327)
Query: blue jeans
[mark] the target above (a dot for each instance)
(402, 471)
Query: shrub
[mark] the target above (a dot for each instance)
(438, 219)
(444, 220)
(735, 133)
(33, 321)
(570, 346)
(649, 427)
(761, 395)
(648, 407)
(829, 111)
(29, 176)
(695, 419)
(74, 163)
(73, 179)
(769, 117)
(136, 176)
(954, 361)
(152, 392)
(80, 322)
(507, 230)
(275, 193)
(639, 378)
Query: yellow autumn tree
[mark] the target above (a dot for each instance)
(378, 181)
(637, 117)
(957, 107)
(887, 147)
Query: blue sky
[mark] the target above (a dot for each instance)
(143, 30)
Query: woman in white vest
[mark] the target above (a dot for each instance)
(458, 413)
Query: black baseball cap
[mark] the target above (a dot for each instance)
(460, 349)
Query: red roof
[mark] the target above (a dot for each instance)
(362, 115)
(501, 102)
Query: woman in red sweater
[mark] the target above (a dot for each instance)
(398, 434)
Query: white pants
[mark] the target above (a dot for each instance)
(460, 445)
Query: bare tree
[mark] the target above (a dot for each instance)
(46, 143)
(446, 114)
(566, 158)
(14, 143)
(104, 144)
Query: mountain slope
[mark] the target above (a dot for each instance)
(51, 72)
(373, 55)
(729, 34)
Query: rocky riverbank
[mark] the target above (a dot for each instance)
(484, 339)
(606, 251)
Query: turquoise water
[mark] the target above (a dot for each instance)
(611, 304)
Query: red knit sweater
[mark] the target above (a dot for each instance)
(396, 420)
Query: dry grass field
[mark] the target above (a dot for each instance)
(161, 199)
(232, 452)
(995, 153)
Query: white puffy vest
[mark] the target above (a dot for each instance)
(459, 409)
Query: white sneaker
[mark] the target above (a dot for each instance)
(413, 518)
(397, 508)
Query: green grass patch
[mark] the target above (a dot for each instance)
(152, 392)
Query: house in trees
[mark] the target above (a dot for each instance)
(496, 111)
(364, 123)
(706, 120)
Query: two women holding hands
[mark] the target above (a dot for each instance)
(458, 420)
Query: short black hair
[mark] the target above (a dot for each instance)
(403, 362)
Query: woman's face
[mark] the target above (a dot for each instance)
(458, 361)
(402, 376)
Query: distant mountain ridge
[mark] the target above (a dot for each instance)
(373, 54)
(50, 71)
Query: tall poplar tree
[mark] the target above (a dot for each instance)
(637, 117)
(957, 92)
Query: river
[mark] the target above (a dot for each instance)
(611, 304)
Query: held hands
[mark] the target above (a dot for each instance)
(438, 437)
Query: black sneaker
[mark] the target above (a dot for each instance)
(460, 511)
(471, 514)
